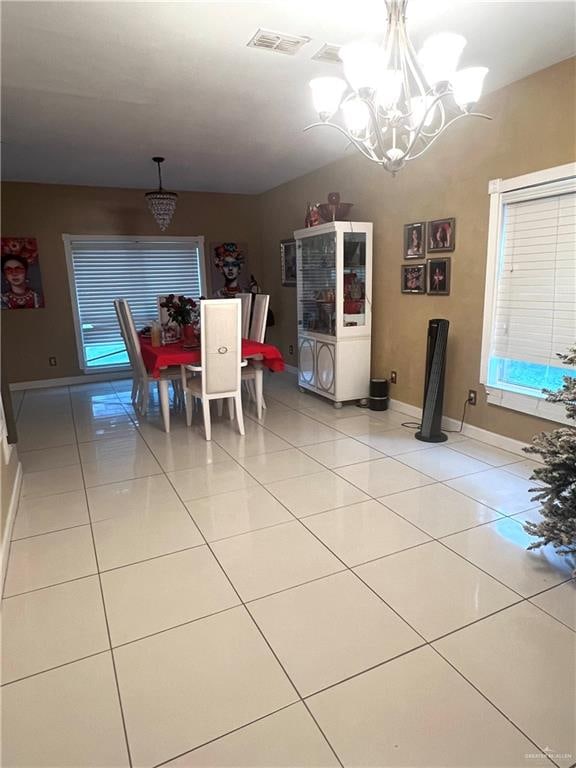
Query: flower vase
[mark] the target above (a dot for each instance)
(189, 337)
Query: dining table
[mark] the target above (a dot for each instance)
(177, 353)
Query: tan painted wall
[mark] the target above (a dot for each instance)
(46, 211)
(533, 128)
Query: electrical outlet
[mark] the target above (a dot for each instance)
(393, 377)
(472, 396)
(52, 361)
(291, 349)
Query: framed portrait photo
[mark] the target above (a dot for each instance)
(415, 240)
(439, 277)
(21, 278)
(413, 278)
(288, 262)
(441, 235)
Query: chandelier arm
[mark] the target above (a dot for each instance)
(447, 125)
(375, 126)
(360, 147)
(420, 130)
(412, 59)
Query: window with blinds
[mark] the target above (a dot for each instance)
(534, 290)
(136, 269)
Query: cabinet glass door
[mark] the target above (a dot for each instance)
(317, 283)
(354, 279)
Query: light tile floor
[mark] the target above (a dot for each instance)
(326, 591)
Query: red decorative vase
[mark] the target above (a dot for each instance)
(189, 337)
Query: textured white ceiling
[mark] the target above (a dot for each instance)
(92, 90)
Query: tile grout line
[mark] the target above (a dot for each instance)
(56, 666)
(112, 659)
(485, 697)
(228, 733)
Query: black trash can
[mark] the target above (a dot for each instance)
(378, 400)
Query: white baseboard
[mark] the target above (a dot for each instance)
(10, 518)
(65, 381)
(468, 430)
(290, 368)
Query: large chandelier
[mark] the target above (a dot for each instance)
(161, 203)
(394, 104)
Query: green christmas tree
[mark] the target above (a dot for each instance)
(558, 474)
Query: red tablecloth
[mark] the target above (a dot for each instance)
(156, 358)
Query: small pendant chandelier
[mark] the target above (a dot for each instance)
(161, 203)
(393, 103)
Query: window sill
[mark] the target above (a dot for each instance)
(529, 404)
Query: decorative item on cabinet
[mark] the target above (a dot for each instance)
(334, 210)
(312, 218)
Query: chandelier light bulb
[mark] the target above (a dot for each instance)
(439, 56)
(364, 63)
(467, 85)
(326, 95)
(356, 116)
(389, 88)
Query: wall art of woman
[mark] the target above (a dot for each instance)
(229, 259)
(441, 235)
(21, 281)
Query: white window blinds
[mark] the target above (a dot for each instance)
(135, 269)
(535, 307)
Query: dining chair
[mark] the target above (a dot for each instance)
(253, 374)
(221, 361)
(259, 317)
(133, 362)
(139, 372)
(246, 299)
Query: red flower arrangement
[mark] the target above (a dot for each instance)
(182, 310)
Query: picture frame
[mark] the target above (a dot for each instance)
(415, 240)
(439, 276)
(288, 263)
(20, 274)
(441, 236)
(413, 278)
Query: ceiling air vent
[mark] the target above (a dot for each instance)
(278, 42)
(328, 53)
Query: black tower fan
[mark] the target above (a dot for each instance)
(431, 426)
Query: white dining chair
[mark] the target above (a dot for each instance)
(221, 361)
(127, 343)
(259, 317)
(246, 299)
(253, 374)
(142, 378)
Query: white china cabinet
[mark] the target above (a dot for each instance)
(334, 309)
